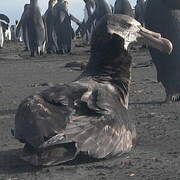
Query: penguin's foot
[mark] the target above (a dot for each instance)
(12, 132)
(60, 52)
(25, 49)
(49, 52)
(173, 97)
(41, 53)
(68, 51)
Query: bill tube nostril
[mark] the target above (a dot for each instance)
(155, 34)
(155, 40)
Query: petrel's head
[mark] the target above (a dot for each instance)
(130, 31)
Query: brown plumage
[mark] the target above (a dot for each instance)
(89, 115)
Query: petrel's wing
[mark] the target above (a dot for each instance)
(102, 127)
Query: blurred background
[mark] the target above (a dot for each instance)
(14, 8)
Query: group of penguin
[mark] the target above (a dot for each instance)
(89, 116)
(53, 31)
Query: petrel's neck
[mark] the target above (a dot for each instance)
(113, 66)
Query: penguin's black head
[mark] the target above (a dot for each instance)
(52, 2)
(26, 6)
(125, 32)
(4, 18)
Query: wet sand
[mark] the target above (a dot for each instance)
(157, 154)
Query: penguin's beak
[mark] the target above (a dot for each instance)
(155, 40)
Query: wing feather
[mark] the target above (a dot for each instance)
(90, 117)
(106, 131)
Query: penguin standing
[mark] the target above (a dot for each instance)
(140, 11)
(123, 7)
(88, 12)
(102, 8)
(48, 18)
(7, 34)
(35, 29)
(13, 32)
(4, 21)
(1, 36)
(22, 25)
(163, 16)
(62, 27)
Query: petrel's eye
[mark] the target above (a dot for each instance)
(126, 25)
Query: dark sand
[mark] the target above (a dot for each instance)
(157, 155)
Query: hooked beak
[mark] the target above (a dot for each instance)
(155, 40)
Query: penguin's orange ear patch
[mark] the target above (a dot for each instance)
(66, 3)
(53, 1)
